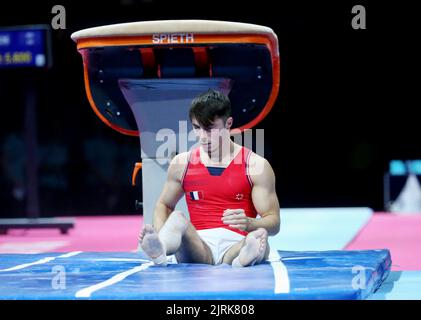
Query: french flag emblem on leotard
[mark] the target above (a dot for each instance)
(196, 195)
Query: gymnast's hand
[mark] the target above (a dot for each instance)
(236, 218)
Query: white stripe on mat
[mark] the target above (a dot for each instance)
(280, 272)
(86, 292)
(41, 261)
(121, 259)
(70, 254)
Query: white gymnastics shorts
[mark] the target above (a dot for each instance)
(219, 240)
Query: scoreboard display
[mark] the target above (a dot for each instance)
(25, 47)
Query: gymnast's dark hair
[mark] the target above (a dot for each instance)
(208, 106)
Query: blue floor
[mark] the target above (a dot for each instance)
(89, 275)
(400, 285)
(304, 229)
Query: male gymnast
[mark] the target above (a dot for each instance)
(230, 194)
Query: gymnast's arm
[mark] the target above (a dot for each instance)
(264, 196)
(172, 191)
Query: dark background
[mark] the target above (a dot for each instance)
(347, 104)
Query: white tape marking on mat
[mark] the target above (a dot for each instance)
(70, 254)
(280, 272)
(300, 258)
(86, 292)
(121, 259)
(41, 261)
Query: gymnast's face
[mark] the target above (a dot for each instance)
(212, 138)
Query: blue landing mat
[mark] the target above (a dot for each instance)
(105, 275)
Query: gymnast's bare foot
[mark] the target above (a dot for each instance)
(254, 249)
(152, 246)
